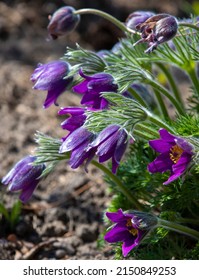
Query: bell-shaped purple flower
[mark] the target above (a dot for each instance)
(24, 177)
(175, 155)
(110, 143)
(136, 18)
(77, 143)
(63, 21)
(51, 77)
(76, 119)
(130, 228)
(157, 30)
(92, 87)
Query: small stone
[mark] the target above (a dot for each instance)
(87, 233)
(60, 253)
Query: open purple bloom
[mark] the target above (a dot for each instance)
(175, 155)
(51, 77)
(110, 143)
(63, 21)
(24, 177)
(130, 228)
(157, 30)
(92, 87)
(77, 143)
(76, 120)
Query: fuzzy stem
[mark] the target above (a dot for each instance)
(194, 79)
(155, 120)
(162, 90)
(161, 104)
(119, 184)
(188, 221)
(188, 25)
(178, 228)
(137, 97)
(110, 18)
(142, 128)
(172, 83)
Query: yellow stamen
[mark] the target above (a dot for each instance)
(176, 153)
(132, 230)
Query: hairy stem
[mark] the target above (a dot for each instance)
(110, 18)
(178, 228)
(119, 184)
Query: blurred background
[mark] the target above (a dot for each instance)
(75, 197)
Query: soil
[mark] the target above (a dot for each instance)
(64, 218)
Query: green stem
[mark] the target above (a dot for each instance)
(145, 128)
(188, 25)
(119, 184)
(155, 120)
(178, 228)
(162, 90)
(188, 221)
(110, 18)
(172, 83)
(161, 104)
(194, 79)
(137, 97)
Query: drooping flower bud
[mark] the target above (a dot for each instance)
(63, 21)
(52, 77)
(136, 18)
(24, 177)
(157, 30)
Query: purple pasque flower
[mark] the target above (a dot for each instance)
(110, 143)
(51, 77)
(130, 228)
(175, 155)
(63, 21)
(92, 87)
(24, 177)
(77, 143)
(76, 119)
(136, 18)
(157, 30)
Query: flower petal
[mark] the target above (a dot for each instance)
(161, 164)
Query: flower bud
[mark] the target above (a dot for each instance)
(62, 22)
(157, 30)
(24, 177)
(136, 18)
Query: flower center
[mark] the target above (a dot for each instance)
(175, 153)
(131, 229)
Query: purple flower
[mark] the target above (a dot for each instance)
(24, 177)
(76, 120)
(136, 18)
(110, 143)
(63, 21)
(77, 143)
(51, 77)
(175, 155)
(157, 30)
(130, 228)
(92, 87)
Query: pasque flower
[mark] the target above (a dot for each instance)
(24, 177)
(77, 143)
(76, 119)
(130, 228)
(92, 87)
(157, 30)
(110, 143)
(63, 21)
(175, 155)
(51, 77)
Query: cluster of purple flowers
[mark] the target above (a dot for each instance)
(175, 153)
